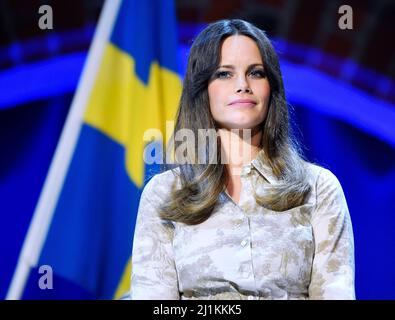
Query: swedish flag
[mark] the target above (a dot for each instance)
(84, 222)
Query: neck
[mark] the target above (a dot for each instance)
(239, 147)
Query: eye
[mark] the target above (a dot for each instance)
(258, 73)
(222, 75)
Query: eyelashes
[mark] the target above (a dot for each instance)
(255, 73)
(222, 74)
(258, 73)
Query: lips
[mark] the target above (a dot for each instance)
(243, 103)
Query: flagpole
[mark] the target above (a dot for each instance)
(46, 204)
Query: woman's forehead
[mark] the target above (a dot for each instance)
(240, 48)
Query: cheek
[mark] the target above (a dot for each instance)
(263, 91)
(267, 92)
(211, 94)
(215, 97)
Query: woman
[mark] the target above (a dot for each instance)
(264, 225)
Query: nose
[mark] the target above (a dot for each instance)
(242, 85)
(246, 90)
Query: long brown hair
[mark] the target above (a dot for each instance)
(201, 184)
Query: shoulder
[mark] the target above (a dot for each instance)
(327, 190)
(159, 186)
(322, 177)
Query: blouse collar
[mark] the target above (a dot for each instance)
(264, 169)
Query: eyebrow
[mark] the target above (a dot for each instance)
(229, 66)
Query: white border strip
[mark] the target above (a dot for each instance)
(44, 211)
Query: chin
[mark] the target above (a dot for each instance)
(240, 126)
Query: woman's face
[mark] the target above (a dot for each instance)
(239, 92)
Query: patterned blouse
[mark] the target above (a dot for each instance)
(245, 251)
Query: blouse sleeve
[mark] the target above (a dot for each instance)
(333, 265)
(154, 275)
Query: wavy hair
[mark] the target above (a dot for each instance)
(201, 184)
